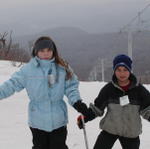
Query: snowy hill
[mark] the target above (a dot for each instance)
(14, 131)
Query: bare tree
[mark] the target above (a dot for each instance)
(5, 46)
(12, 51)
(3, 40)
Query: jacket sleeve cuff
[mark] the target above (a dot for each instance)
(146, 113)
(96, 110)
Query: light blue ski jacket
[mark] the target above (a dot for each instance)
(47, 110)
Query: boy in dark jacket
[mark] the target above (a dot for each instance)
(126, 100)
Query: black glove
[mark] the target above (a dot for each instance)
(88, 114)
(82, 108)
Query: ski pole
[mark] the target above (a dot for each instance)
(84, 132)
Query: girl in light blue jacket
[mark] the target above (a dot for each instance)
(46, 78)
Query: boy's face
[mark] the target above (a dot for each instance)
(45, 54)
(122, 74)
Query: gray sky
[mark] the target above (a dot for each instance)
(94, 16)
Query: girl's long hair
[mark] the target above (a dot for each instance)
(60, 61)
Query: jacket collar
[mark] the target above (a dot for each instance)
(36, 61)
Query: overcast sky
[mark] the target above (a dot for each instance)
(94, 16)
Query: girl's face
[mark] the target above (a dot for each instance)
(45, 54)
(122, 74)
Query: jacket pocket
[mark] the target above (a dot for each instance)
(59, 112)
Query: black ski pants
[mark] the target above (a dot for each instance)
(106, 140)
(49, 140)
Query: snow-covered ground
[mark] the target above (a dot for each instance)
(14, 131)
